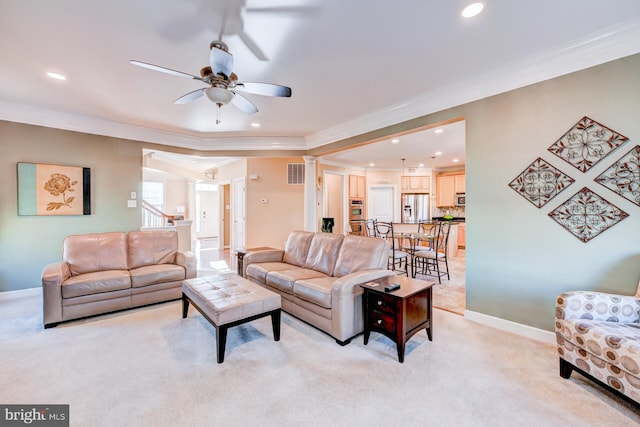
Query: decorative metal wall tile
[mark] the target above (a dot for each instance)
(623, 177)
(540, 182)
(586, 215)
(586, 143)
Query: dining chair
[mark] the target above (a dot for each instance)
(397, 258)
(430, 228)
(370, 227)
(434, 262)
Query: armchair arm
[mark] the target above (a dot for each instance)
(269, 255)
(597, 306)
(346, 302)
(190, 263)
(53, 275)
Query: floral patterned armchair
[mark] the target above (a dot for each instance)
(598, 335)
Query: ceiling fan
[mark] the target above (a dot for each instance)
(223, 85)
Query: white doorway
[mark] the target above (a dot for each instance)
(382, 203)
(334, 184)
(207, 211)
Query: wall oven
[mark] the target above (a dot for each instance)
(356, 209)
(460, 199)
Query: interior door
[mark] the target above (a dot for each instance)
(238, 212)
(381, 203)
(207, 208)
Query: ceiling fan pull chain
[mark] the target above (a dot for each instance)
(218, 113)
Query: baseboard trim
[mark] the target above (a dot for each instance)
(9, 295)
(513, 327)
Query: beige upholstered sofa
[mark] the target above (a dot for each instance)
(106, 272)
(598, 335)
(318, 277)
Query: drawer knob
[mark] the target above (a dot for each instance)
(379, 302)
(379, 322)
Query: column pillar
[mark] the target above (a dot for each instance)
(310, 209)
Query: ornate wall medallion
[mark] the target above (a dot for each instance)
(540, 182)
(623, 177)
(586, 215)
(586, 143)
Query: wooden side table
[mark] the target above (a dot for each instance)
(240, 253)
(399, 314)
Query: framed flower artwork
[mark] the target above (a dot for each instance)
(45, 189)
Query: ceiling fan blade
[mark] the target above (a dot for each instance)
(164, 70)
(253, 46)
(264, 89)
(191, 96)
(243, 104)
(221, 61)
(295, 10)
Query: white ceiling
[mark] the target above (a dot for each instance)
(353, 66)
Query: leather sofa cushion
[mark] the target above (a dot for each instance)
(297, 247)
(351, 259)
(88, 253)
(152, 247)
(259, 271)
(159, 273)
(284, 279)
(96, 282)
(317, 291)
(323, 252)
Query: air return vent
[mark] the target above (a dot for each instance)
(295, 173)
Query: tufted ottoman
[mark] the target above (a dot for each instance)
(227, 300)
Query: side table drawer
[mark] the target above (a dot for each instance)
(384, 303)
(380, 320)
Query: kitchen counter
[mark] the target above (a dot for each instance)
(455, 218)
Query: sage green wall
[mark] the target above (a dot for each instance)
(28, 243)
(518, 258)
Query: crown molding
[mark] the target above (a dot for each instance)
(73, 122)
(603, 46)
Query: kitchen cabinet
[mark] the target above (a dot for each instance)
(415, 184)
(446, 188)
(462, 235)
(357, 187)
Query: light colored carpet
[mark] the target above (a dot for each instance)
(150, 367)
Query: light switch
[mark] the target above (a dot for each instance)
(132, 203)
(133, 195)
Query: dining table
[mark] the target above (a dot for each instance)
(413, 239)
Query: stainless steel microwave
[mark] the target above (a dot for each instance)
(460, 199)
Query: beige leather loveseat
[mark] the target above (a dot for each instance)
(318, 277)
(113, 271)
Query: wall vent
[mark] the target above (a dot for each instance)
(295, 173)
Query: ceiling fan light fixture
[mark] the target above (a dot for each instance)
(472, 10)
(219, 95)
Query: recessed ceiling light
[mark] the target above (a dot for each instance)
(421, 165)
(56, 76)
(395, 140)
(438, 153)
(372, 164)
(255, 125)
(472, 10)
(455, 160)
(438, 130)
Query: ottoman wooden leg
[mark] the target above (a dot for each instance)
(185, 306)
(221, 341)
(275, 322)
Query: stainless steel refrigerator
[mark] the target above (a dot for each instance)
(415, 207)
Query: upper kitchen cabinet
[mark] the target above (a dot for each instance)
(414, 184)
(357, 187)
(446, 188)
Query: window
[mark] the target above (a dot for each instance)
(153, 193)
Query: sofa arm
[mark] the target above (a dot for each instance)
(53, 275)
(268, 255)
(346, 302)
(190, 263)
(597, 306)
